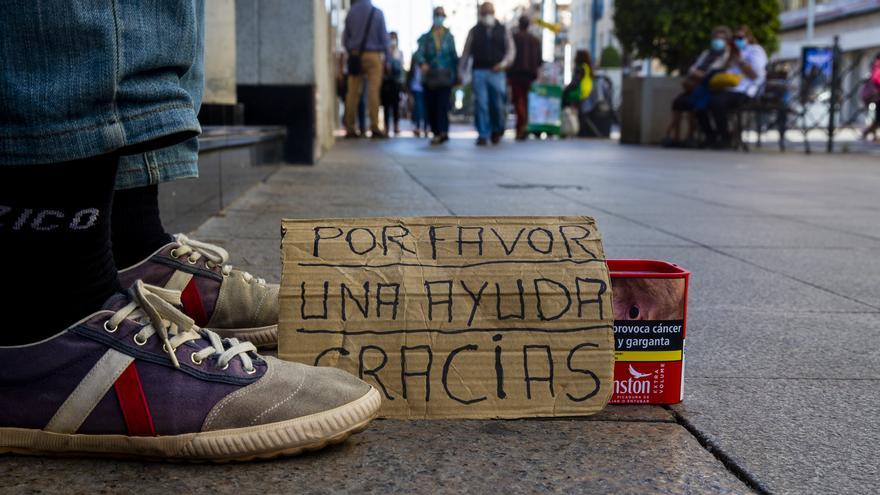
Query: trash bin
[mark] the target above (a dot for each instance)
(650, 315)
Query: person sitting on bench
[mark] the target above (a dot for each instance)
(749, 60)
(710, 61)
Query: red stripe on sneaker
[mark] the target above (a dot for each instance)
(134, 404)
(192, 303)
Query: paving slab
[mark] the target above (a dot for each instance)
(721, 282)
(493, 200)
(798, 435)
(555, 456)
(753, 231)
(791, 194)
(773, 344)
(840, 270)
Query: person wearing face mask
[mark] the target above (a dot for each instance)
(749, 62)
(695, 94)
(490, 45)
(391, 86)
(438, 60)
(870, 93)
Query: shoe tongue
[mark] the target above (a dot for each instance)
(116, 302)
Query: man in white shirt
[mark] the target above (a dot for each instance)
(750, 62)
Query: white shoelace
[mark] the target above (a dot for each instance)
(156, 305)
(216, 256)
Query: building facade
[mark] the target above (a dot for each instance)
(581, 32)
(285, 71)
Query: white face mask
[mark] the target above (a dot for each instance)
(488, 19)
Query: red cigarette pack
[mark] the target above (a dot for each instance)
(650, 317)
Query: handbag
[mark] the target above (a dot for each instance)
(870, 93)
(438, 78)
(570, 125)
(355, 66)
(724, 80)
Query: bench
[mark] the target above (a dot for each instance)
(768, 110)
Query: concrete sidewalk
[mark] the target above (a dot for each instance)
(783, 368)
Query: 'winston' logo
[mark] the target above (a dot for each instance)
(636, 374)
(637, 383)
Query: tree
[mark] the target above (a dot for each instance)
(676, 31)
(609, 58)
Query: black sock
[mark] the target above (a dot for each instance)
(135, 226)
(55, 246)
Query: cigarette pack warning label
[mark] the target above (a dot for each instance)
(649, 336)
(649, 360)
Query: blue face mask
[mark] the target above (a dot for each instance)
(741, 43)
(718, 44)
(439, 20)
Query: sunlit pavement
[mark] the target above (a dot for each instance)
(783, 353)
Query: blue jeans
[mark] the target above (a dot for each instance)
(490, 96)
(419, 119)
(83, 78)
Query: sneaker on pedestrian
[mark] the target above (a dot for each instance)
(378, 134)
(138, 379)
(231, 302)
(496, 137)
(352, 134)
(482, 141)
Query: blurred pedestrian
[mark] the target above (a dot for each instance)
(581, 85)
(490, 45)
(414, 84)
(366, 41)
(871, 95)
(342, 93)
(392, 83)
(523, 72)
(438, 62)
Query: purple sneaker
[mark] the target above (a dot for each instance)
(231, 302)
(137, 379)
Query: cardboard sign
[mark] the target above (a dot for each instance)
(472, 317)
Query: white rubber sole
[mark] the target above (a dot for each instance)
(240, 444)
(262, 337)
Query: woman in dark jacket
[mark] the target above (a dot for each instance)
(438, 61)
